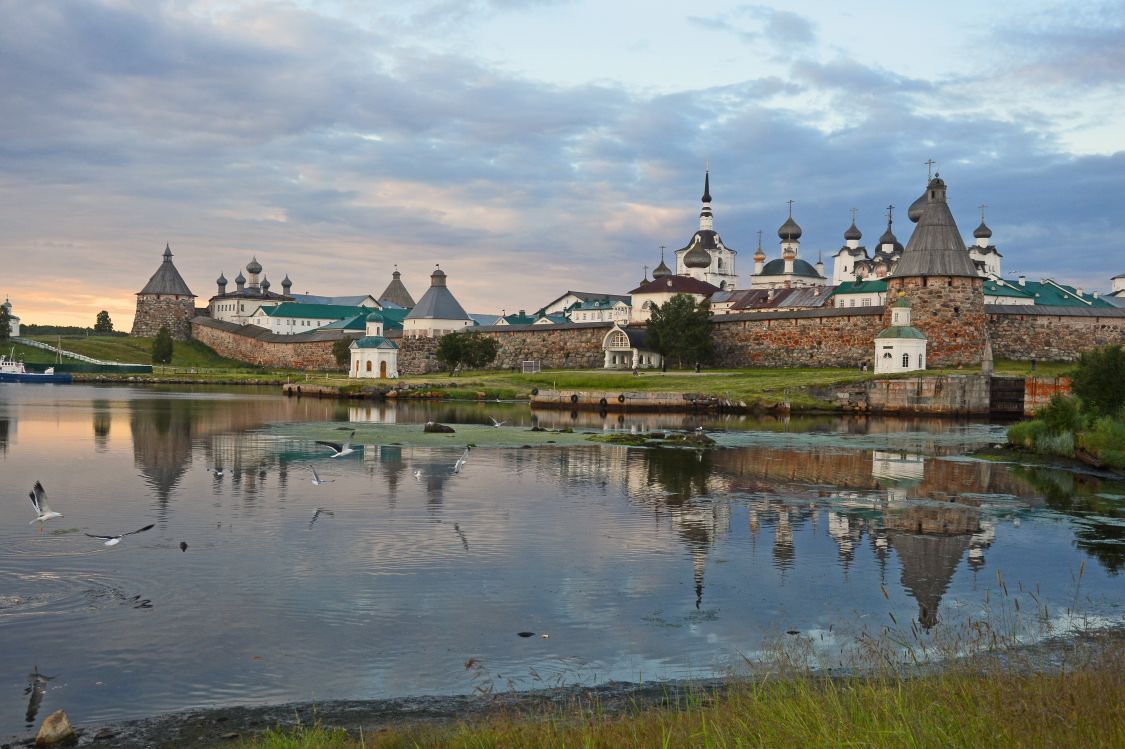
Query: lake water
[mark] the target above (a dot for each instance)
(639, 564)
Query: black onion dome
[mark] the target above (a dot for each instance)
(285, 281)
(915, 211)
(697, 256)
(254, 266)
(888, 237)
(240, 278)
(221, 280)
(661, 270)
(853, 232)
(707, 188)
(982, 231)
(789, 231)
(265, 284)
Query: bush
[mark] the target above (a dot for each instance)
(1061, 415)
(1026, 433)
(1056, 444)
(1106, 440)
(342, 352)
(162, 346)
(1098, 380)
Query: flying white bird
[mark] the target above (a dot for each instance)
(39, 500)
(114, 540)
(317, 480)
(338, 450)
(461, 461)
(496, 423)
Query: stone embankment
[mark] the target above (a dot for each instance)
(619, 401)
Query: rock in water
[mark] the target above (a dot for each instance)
(56, 731)
(434, 428)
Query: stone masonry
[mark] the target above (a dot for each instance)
(157, 310)
(949, 310)
(1052, 334)
(575, 346)
(259, 346)
(830, 337)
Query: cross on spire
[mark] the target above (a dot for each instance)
(662, 253)
(982, 206)
(929, 169)
(759, 239)
(853, 215)
(890, 214)
(790, 207)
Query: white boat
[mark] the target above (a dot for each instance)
(15, 371)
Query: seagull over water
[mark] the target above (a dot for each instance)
(338, 450)
(114, 540)
(317, 480)
(39, 499)
(496, 423)
(461, 461)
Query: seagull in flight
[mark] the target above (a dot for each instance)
(317, 480)
(39, 501)
(338, 450)
(496, 423)
(114, 540)
(461, 461)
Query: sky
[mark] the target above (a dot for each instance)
(530, 147)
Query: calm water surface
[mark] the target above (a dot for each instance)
(638, 564)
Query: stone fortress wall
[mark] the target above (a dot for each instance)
(155, 311)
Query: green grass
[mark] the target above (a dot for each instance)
(129, 350)
(1076, 707)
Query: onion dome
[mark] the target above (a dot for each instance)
(265, 284)
(707, 187)
(789, 231)
(888, 236)
(221, 280)
(7, 304)
(375, 317)
(853, 232)
(982, 231)
(285, 282)
(661, 270)
(240, 279)
(697, 257)
(254, 266)
(915, 211)
(759, 254)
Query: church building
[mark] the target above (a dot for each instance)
(248, 297)
(13, 321)
(901, 347)
(374, 355)
(788, 271)
(705, 258)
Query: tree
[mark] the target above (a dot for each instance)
(342, 351)
(162, 346)
(468, 350)
(680, 330)
(103, 325)
(5, 323)
(1097, 380)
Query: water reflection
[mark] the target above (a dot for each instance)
(640, 562)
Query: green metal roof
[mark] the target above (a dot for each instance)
(1051, 294)
(901, 331)
(374, 341)
(860, 287)
(349, 323)
(314, 311)
(992, 288)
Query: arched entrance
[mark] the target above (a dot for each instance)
(383, 370)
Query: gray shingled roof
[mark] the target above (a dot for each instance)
(438, 303)
(396, 293)
(935, 248)
(166, 279)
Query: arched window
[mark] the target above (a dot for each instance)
(618, 340)
(368, 367)
(647, 305)
(905, 361)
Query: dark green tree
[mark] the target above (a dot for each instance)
(1098, 380)
(342, 351)
(466, 350)
(103, 325)
(5, 323)
(680, 331)
(162, 346)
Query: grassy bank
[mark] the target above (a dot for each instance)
(129, 350)
(1081, 707)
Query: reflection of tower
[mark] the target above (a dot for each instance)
(102, 420)
(783, 552)
(7, 431)
(930, 542)
(161, 430)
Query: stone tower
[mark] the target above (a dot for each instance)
(939, 278)
(165, 300)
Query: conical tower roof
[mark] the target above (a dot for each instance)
(438, 303)
(935, 248)
(166, 279)
(396, 292)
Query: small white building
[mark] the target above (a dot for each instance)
(13, 321)
(625, 348)
(288, 318)
(373, 355)
(901, 347)
(600, 310)
(438, 312)
(862, 293)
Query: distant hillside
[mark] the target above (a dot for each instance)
(127, 350)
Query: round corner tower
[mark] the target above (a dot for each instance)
(945, 291)
(165, 300)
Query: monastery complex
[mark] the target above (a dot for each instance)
(933, 302)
